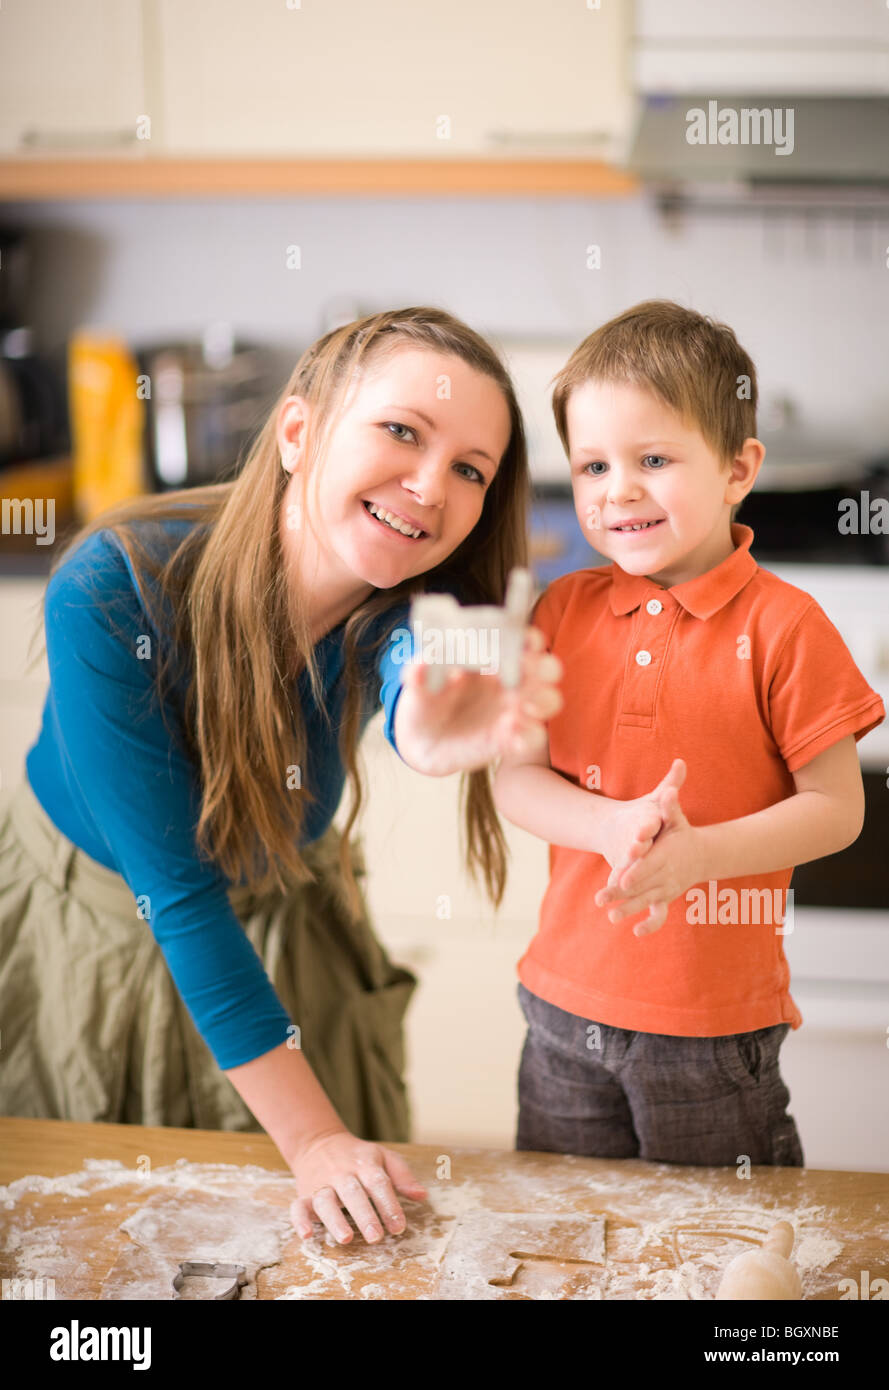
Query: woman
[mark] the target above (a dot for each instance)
(214, 655)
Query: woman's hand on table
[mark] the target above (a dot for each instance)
(475, 719)
(335, 1171)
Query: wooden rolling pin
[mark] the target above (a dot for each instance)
(766, 1272)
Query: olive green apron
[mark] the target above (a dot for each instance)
(92, 1027)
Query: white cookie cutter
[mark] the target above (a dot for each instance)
(478, 637)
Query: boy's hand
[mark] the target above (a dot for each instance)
(474, 718)
(668, 870)
(631, 834)
(631, 830)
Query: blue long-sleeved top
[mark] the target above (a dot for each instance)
(108, 774)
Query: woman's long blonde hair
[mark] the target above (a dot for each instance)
(227, 629)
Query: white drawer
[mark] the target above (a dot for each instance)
(21, 705)
(20, 618)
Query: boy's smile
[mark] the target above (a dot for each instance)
(649, 491)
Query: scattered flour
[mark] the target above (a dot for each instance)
(61, 1247)
(669, 1235)
(99, 1173)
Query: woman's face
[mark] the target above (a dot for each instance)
(420, 438)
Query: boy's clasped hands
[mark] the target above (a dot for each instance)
(654, 855)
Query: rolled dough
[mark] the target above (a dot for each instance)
(173, 1227)
(488, 1248)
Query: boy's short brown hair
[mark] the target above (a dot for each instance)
(693, 363)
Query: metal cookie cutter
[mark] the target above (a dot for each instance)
(237, 1273)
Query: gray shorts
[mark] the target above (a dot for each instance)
(588, 1088)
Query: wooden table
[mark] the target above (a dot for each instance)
(669, 1229)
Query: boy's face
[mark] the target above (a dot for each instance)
(634, 460)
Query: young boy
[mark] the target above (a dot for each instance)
(681, 657)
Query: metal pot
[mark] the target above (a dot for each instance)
(207, 400)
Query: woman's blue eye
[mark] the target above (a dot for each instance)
(396, 424)
(479, 476)
(659, 457)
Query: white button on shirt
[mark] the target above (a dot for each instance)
(643, 658)
(653, 606)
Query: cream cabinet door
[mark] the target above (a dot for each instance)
(396, 77)
(464, 1028)
(71, 75)
(23, 683)
(763, 46)
(412, 831)
(785, 21)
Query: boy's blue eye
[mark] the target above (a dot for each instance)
(598, 467)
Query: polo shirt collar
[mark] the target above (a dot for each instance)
(702, 597)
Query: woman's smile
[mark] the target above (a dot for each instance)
(393, 523)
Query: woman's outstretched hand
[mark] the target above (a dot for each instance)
(474, 718)
(334, 1171)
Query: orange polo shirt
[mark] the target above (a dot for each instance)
(743, 676)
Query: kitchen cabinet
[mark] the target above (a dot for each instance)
(343, 77)
(22, 690)
(392, 79)
(71, 75)
(763, 46)
(781, 20)
(464, 1028)
(334, 97)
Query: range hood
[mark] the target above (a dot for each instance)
(762, 138)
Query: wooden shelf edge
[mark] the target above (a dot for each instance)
(42, 178)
